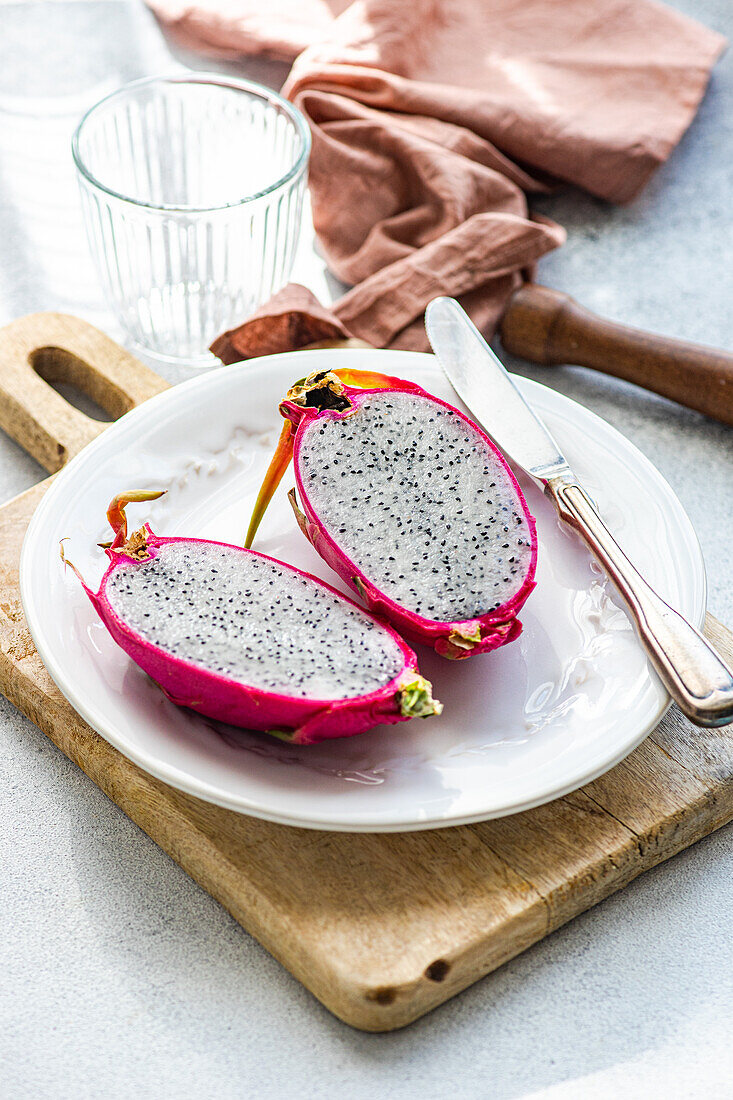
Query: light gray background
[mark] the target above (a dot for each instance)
(119, 977)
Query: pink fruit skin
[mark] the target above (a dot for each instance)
(497, 628)
(217, 697)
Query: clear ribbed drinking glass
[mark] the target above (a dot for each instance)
(192, 188)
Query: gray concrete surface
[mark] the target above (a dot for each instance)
(119, 978)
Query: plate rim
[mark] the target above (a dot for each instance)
(366, 823)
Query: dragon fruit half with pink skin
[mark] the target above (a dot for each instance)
(411, 504)
(245, 639)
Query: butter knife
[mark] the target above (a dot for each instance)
(693, 673)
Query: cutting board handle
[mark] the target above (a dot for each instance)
(54, 347)
(548, 327)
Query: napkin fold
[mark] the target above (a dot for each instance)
(433, 120)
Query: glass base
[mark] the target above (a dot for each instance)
(189, 363)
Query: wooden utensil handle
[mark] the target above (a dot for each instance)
(548, 327)
(54, 347)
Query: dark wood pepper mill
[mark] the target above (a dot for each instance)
(548, 327)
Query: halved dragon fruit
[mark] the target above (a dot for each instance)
(248, 640)
(411, 504)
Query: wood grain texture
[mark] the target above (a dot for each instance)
(52, 347)
(548, 327)
(383, 928)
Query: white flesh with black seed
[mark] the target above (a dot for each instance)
(254, 622)
(419, 502)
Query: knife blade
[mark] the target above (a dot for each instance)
(693, 673)
(484, 385)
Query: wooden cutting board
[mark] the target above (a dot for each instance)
(381, 928)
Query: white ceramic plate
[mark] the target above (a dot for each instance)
(521, 726)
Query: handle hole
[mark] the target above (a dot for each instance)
(80, 401)
(79, 384)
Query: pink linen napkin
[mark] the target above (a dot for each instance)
(432, 120)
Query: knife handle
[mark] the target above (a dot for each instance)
(548, 327)
(692, 671)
